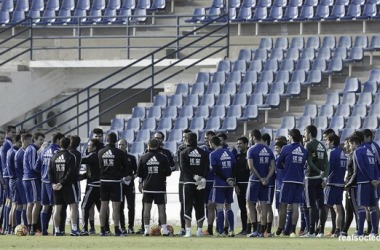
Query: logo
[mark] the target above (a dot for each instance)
(320, 147)
(369, 153)
(152, 161)
(225, 156)
(108, 154)
(264, 152)
(60, 159)
(298, 151)
(194, 153)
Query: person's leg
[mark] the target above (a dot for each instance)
(211, 208)
(339, 219)
(147, 209)
(116, 216)
(92, 218)
(281, 218)
(122, 215)
(162, 217)
(199, 211)
(230, 219)
(220, 217)
(44, 219)
(243, 207)
(188, 201)
(182, 231)
(251, 208)
(263, 217)
(131, 199)
(74, 216)
(103, 215)
(57, 218)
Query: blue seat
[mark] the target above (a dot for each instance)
(295, 3)
(230, 124)
(326, 110)
(370, 122)
(345, 42)
(52, 5)
(224, 66)
(208, 100)
(138, 148)
(264, 3)
(288, 122)
(353, 12)
(272, 101)
(374, 110)
(224, 100)
(361, 42)
(128, 135)
(182, 89)
(248, 3)
(287, 64)
(266, 76)
(346, 133)
(83, 4)
(202, 111)
(176, 101)
(160, 100)
(353, 122)
(335, 66)
(293, 90)
(35, 17)
(240, 99)
(303, 64)
(197, 123)
(312, 3)
(276, 54)
(244, 14)
(342, 2)
(356, 55)
(171, 112)
(369, 11)
(370, 86)
(68, 5)
(274, 14)
(124, 16)
(256, 65)
(307, 12)
(280, 3)
(192, 100)
(246, 88)
(4, 17)
(22, 5)
(261, 88)
(351, 85)
(234, 77)
(329, 42)
(260, 13)
(298, 76)
(198, 14)
(321, 122)
(143, 4)
(281, 132)
(229, 88)
(308, 53)
(139, 16)
(359, 110)
(251, 112)
(297, 43)
(250, 77)
(245, 54)
(337, 12)
(266, 43)
(349, 98)
(79, 16)
(343, 110)
(321, 12)
(95, 16)
(282, 76)
(340, 53)
(155, 112)
(117, 124)
(149, 124)
(38, 5)
(212, 14)
(181, 123)
(310, 110)
(133, 124)
(109, 17)
(7, 5)
(332, 98)
(17, 16)
(268, 131)
(187, 111)
(234, 4)
(293, 54)
(175, 135)
(327, 2)
(114, 4)
(213, 123)
(313, 42)
(172, 146)
(157, 5)
(235, 111)
(365, 98)
(240, 66)
(203, 77)
(271, 65)
(319, 64)
(64, 16)
(314, 77)
(198, 89)
(256, 99)
(143, 135)
(303, 122)
(128, 4)
(374, 75)
(291, 12)
(216, 4)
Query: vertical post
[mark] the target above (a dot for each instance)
(128, 41)
(79, 39)
(88, 112)
(31, 41)
(228, 35)
(177, 42)
(152, 88)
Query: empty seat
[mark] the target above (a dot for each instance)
(308, 53)
(266, 76)
(351, 85)
(326, 110)
(7, 5)
(133, 124)
(276, 54)
(340, 53)
(293, 90)
(287, 64)
(218, 111)
(354, 122)
(160, 100)
(229, 88)
(293, 54)
(197, 123)
(149, 124)
(295, 3)
(313, 42)
(245, 54)
(124, 16)
(311, 3)
(349, 98)
(369, 11)
(155, 112)
(261, 88)
(213, 88)
(274, 14)
(234, 77)
(128, 135)
(182, 89)
(137, 148)
(324, 53)
(224, 100)
(255, 65)
(157, 5)
(361, 42)
(192, 100)
(303, 64)
(251, 112)
(298, 76)
(143, 4)
(310, 110)
(374, 75)
(282, 132)
(337, 12)
(68, 4)
(198, 14)
(370, 86)
(250, 77)
(22, 5)
(245, 13)
(359, 110)
(181, 123)
(271, 65)
(374, 110)
(303, 122)
(4, 17)
(319, 64)
(95, 16)
(306, 13)
(356, 55)
(139, 16)
(353, 12)
(256, 99)
(320, 122)
(272, 101)
(187, 111)
(288, 122)
(240, 99)
(38, 5)
(83, 4)
(291, 12)
(208, 100)
(261, 54)
(240, 66)
(176, 100)
(171, 112)
(370, 122)
(175, 135)
(230, 124)
(321, 12)
(202, 111)
(17, 16)
(332, 98)
(365, 98)
(198, 89)
(343, 110)
(282, 76)
(212, 14)
(143, 135)
(213, 123)
(264, 3)
(235, 111)
(260, 13)
(335, 66)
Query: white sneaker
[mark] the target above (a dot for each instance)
(187, 235)
(292, 235)
(320, 235)
(308, 235)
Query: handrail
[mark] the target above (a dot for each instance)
(154, 62)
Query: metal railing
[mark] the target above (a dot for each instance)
(204, 37)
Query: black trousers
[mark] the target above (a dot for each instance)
(193, 198)
(91, 197)
(130, 197)
(241, 197)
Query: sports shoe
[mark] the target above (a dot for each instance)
(187, 235)
(75, 233)
(131, 231)
(206, 233)
(270, 235)
(58, 234)
(120, 234)
(32, 233)
(181, 232)
(168, 234)
(300, 233)
(372, 235)
(199, 234)
(329, 235)
(218, 235)
(145, 235)
(84, 233)
(38, 233)
(242, 233)
(225, 230)
(254, 234)
(344, 234)
(106, 233)
(308, 235)
(292, 235)
(140, 231)
(320, 235)
(304, 233)
(231, 233)
(92, 231)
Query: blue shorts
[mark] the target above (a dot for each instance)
(291, 193)
(256, 192)
(366, 195)
(333, 195)
(47, 197)
(7, 192)
(222, 195)
(32, 190)
(207, 191)
(277, 199)
(12, 190)
(1, 194)
(20, 192)
(271, 194)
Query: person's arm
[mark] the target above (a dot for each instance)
(168, 170)
(272, 167)
(90, 159)
(185, 165)
(38, 165)
(206, 166)
(134, 164)
(326, 165)
(218, 172)
(310, 163)
(70, 175)
(361, 165)
(351, 180)
(51, 172)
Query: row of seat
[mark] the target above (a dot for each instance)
(291, 13)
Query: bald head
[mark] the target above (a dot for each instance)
(122, 144)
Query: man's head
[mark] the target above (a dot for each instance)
(215, 142)
(255, 136)
(266, 139)
(191, 139)
(184, 132)
(354, 143)
(64, 143)
(97, 133)
(11, 131)
(310, 133)
(153, 144)
(93, 145)
(327, 133)
(57, 138)
(74, 141)
(332, 140)
(38, 139)
(367, 135)
(281, 138)
(222, 138)
(122, 144)
(208, 135)
(358, 134)
(346, 145)
(160, 137)
(111, 138)
(242, 144)
(17, 141)
(26, 140)
(295, 135)
(278, 145)
(2, 137)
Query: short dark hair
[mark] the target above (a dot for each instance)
(64, 143)
(16, 138)
(74, 141)
(112, 138)
(279, 143)
(191, 138)
(57, 137)
(313, 130)
(97, 131)
(295, 134)
(356, 140)
(223, 135)
(334, 139)
(367, 133)
(210, 133)
(186, 131)
(266, 137)
(256, 134)
(243, 139)
(215, 140)
(281, 138)
(96, 143)
(153, 144)
(37, 134)
(26, 136)
(358, 134)
(9, 128)
(162, 134)
(328, 131)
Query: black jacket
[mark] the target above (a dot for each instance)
(62, 168)
(92, 171)
(113, 164)
(194, 161)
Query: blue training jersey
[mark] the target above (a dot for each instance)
(376, 151)
(279, 174)
(43, 160)
(30, 158)
(19, 163)
(293, 160)
(11, 162)
(224, 160)
(210, 174)
(4, 150)
(262, 157)
(366, 165)
(338, 166)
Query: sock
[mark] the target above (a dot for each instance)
(18, 216)
(230, 218)
(220, 220)
(337, 231)
(164, 228)
(34, 227)
(373, 216)
(188, 231)
(92, 224)
(44, 221)
(199, 230)
(254, 226)
(278, 231)
(369, 225)
(258, 227)
(288, 223)
(269, 227)
(23, 215)
(29, 228)
(6, 218)
(307, 218)
(249, 228)
(294, 228)
(117, 230)
(74, 227)
(263, 228)
(361, 218)
(303, 222)
(56, 229)
(333, 220)
(209, 229)
(146, 229)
